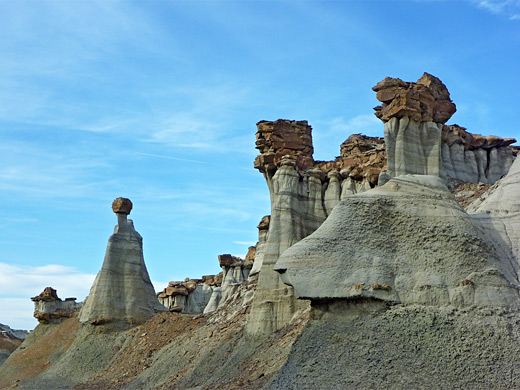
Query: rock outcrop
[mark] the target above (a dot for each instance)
(473, 157)
(498, 211)
(413, 114)
(48, 307)
(189, 297)
(407, 242)
(122, 291)
(195, 296)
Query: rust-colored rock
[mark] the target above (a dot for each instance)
(225, 260)
(455, 134)
(49, 294)
(282, 138)
(179, 290)
(426, 100)
(264, 223)
(122, 206)
(99, 321)
(176, 309)
(250, 256)
(360, 157)
(213, 280)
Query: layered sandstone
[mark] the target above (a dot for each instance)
(49, 307)
(122, 291)
(473, 157)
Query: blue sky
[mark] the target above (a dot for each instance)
(157, 101)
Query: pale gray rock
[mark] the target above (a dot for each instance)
(413, 147)
(481, 161)
(498, 211)
(214, 300)
(233, 277)
(407, 242)
(122, 290)
(333, 192)
(13, 333)
(198, 299)
(470, 164)
(297, 209)
(484, 164)
(263, 233)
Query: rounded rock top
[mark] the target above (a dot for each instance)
(122, 206)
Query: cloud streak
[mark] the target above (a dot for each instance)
(508, 8)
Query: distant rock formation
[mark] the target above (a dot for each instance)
(475, 158)
(10, 339)
(195, 296)
(122, 291)
(48, 307)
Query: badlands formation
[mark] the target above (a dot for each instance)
(394, 265)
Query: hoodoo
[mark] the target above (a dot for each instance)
(122, 290)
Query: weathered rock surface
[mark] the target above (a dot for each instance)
(263, 233)
(427, 100)
(122, 291)
(372, 345)
(498, 211)
(48, 307)
(473, 157)
(409, 242)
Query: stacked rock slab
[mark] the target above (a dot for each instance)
(48, 307)
(296, 211)
(122, 291)
(414, 114)
(303, 192)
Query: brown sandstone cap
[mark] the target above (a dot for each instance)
(122, 206)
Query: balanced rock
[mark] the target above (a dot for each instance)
(122, 291)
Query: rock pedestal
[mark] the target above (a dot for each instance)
(122, 290)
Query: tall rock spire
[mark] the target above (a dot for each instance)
(122, 290)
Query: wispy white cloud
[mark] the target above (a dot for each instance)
(248, 243)
(366, 124)
(508, 8)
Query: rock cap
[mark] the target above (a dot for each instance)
(122, 206)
